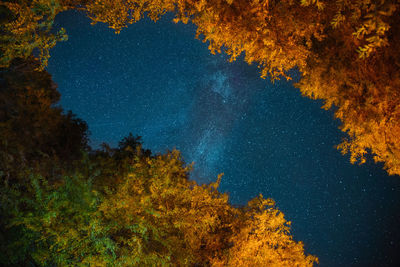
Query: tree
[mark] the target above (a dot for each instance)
(355, 70)
(34, 132)
(37, 141)
(263, 239)
(159, 216)
(58, 224)
(152, 215)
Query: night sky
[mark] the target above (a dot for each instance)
(157, 81)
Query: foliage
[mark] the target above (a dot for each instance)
(155, 216)
(266, 32)
(262, 239)
(26, 29)
(37, 140)
(355, 70)
(120, 13)
(124, 206)
(64, 222)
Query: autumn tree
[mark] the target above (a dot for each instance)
(261, 238)
(274, 34)
(355, 69)
(154, 216)
(127, 207)
(26, 28)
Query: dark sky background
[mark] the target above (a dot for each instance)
(155, 80)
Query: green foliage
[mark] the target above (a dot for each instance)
(61, 223)
(38, 145)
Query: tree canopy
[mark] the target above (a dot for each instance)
(64, 204)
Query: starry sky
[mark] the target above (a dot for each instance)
(157, 81)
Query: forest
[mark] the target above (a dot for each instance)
(64, 203)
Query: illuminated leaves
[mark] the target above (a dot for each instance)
(26, 29)
(118, 14)
(153, 216)
(161, 216)
(371, 21)
(173, 217)
(263, 30)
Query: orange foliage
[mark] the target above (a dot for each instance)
(160, 217)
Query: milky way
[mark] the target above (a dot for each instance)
(157, 81)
